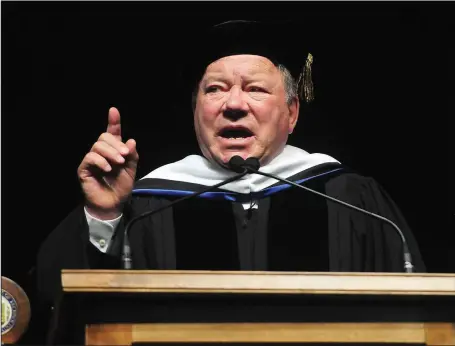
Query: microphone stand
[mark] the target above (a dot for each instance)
(406, 253)
(126, 252)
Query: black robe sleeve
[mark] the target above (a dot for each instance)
(359, 242)
(68, 247)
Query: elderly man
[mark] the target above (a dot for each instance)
(246, 104)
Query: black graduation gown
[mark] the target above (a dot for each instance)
(292, 230)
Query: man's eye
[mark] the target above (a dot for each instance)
(212, 88)
(256, 89)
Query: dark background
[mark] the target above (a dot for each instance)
(381, 78)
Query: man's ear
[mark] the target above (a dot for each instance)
(294, 108)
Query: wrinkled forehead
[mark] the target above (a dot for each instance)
(241, 65)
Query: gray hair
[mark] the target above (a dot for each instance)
(290, 87)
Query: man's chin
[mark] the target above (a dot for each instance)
(228, 156)
(223, 159)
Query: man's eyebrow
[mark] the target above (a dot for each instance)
(214, 77)
(260, 76)
(251, 77)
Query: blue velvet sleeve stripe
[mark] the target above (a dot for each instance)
(229, 196)
(271, 190)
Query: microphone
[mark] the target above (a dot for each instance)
(235, 162)
(252, 165)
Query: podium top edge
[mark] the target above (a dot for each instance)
(252, 273)
(173, 281)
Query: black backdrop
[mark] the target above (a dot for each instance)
(380, 70)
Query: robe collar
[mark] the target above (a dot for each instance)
(197, 169)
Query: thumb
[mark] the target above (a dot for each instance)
(132, 150)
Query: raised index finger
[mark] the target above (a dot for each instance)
(114, 126)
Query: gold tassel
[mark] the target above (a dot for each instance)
(306, 89)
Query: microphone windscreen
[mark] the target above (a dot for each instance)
(253, 163)
(236, 163)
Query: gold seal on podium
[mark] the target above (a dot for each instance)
(15, 311)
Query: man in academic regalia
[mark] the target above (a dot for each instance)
(246, 104)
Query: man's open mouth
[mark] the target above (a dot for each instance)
(235, 133)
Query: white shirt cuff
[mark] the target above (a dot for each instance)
(101, 231)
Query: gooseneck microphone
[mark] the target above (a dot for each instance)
(126, 250)
(252, 165)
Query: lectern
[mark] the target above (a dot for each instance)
(128, 307)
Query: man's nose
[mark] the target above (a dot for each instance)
(235, 107)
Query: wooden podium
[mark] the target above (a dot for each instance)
(160, 307)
